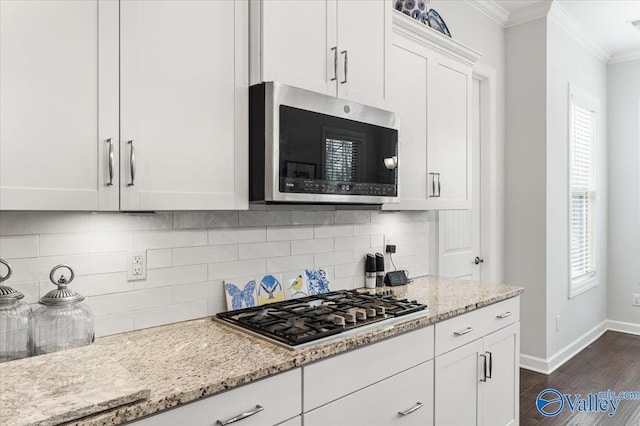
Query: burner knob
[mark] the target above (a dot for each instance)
(371, 313)
(350, 317)
(339, 320)
(380, 310)
(361, 314)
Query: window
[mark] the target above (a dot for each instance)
(583, 197)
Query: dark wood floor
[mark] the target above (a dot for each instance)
(611, 362)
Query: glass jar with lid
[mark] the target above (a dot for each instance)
(16, 322)
(63, 322)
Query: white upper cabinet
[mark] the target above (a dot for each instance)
(364, 41)
(130, 105)
(449, 133)
(184, 105)
(430, 87)
(58, 105)
(337, 47)
(291, 42)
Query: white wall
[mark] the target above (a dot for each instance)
(624, 182)
(568, 61)
(525, 192)
(190, 253)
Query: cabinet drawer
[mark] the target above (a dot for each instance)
(455, 332)
(380, 404)
(278, 395)
(354, 370)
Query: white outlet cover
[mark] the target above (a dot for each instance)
(636, 300)
(137, 265)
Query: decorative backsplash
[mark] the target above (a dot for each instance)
(191, 254)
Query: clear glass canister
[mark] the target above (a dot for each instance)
(16, 322)
(63, 322)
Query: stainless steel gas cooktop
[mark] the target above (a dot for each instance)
(294, 323)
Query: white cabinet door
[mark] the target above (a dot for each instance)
(184, 105)
(457, 374)
(296, 421)
(295, 43)
(449, 133)
(501, 391)
(58, 104)
(364, 43)
(408, 97)
(409, 392)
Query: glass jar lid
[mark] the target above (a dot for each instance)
(8, 294)
(62, 295)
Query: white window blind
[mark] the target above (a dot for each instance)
(583, 197)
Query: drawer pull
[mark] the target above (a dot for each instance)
(240, 416)
(502, 316)
(463, 332)
(412, 409)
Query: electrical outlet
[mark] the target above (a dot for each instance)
(557, 323)
(136, 265)
(388, 241)
(636, 300)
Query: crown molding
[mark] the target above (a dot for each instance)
(530, 13)
(634, 55)
(491, 10)
(429, 37)
(574, 28)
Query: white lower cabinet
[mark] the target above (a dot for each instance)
(403, 399)
(296, 421)
(477, 382)
(278, 396)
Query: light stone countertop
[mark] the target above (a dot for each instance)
(185, 361)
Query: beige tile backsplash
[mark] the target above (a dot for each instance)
(189, 254)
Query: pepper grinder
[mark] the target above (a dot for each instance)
(370, 271)
(379, 270)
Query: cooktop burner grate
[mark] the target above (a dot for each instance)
(298, 321)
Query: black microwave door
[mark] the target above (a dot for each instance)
(324, 154)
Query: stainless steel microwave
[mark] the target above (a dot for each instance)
(306, 147)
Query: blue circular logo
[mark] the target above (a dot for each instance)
(549, 402)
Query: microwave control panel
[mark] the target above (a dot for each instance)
(315, 186)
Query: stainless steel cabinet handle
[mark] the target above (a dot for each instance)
(240, 416)
(110, 162)
(484, 368)
(412, 409)
(463, 332)
(490, 364)
(478, 260)
(335, 63)
(505, 315)
(132, 163)
(346, 66)
(438, 184)
(433, 185)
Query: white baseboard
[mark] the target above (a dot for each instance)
(533, 363)
(623, 327)
(551, 364)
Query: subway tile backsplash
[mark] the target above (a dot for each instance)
(189, 254)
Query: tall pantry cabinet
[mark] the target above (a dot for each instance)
(130, 105)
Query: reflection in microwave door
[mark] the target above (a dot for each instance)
(300, 170)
